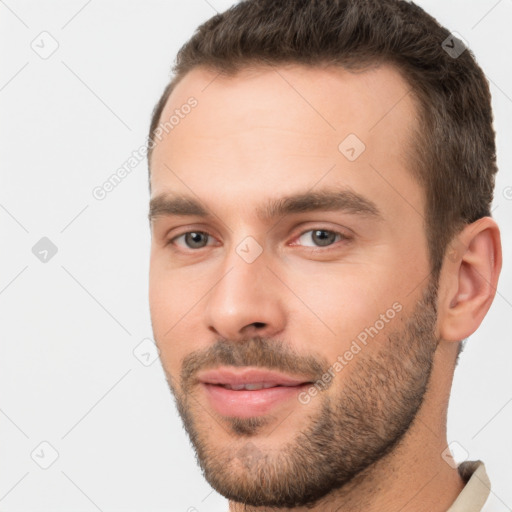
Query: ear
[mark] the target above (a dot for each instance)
(469, 278)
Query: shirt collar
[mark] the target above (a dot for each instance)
(477, 488)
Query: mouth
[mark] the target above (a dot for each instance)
(252, 386)
(249, 392)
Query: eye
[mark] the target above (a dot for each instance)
(320, 237)
(192, 239)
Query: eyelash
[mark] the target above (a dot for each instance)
(342, 236)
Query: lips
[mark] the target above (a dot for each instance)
(249, 392)
(248, 377)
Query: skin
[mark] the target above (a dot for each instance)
(266, 133)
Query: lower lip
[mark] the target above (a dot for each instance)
(245, 403)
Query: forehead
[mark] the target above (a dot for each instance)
(266, 130)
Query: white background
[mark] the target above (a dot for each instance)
(69, 326)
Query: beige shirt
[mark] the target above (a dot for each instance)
(476, 490)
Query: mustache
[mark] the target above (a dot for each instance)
(258, 351)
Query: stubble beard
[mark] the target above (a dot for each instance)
(355, 427)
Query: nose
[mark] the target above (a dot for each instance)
(248, 300)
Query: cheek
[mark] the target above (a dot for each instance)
(333, 306)
(160, 302)
(167, 294)
(166, 308)
(175, 306)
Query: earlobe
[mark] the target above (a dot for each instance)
(469, 279)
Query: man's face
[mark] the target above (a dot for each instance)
(267, 290)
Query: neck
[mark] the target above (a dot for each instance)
(414, 477)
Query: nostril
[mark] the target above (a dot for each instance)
(258, 324)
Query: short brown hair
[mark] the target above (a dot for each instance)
(455, 153)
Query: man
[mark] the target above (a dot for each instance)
(321, 177)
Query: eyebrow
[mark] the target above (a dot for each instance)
(323, 200)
